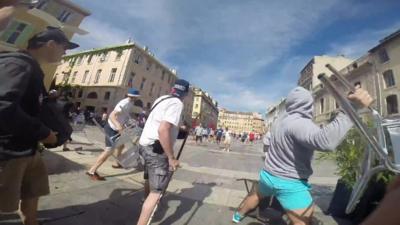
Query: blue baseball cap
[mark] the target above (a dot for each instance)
(132, 92)
(180, 88)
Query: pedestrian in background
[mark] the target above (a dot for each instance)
(199, 134)
(228, 140)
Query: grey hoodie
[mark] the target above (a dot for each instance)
(294, 137)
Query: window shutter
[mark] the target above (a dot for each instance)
(10, 29)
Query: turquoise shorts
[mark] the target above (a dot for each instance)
(292, 194)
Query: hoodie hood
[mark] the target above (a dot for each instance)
(300, 101)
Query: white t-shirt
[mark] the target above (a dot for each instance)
(168, 110)
(124, 108)
(199, 131)
(228, 135)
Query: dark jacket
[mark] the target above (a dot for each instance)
(21, 94)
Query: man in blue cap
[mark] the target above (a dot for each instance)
(117, 120)
(156, 145)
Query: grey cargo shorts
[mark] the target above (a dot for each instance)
(156, 168)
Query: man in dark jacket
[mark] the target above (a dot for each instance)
(23, 175)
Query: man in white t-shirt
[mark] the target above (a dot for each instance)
(116, 123)
(199, 134)
(156, 145)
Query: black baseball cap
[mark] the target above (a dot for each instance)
(52, 33)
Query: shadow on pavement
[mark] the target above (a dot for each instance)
(56, 164)
(199, 191)
(124, 174)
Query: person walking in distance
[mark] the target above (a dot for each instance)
(23, 174)
(228, 140)
(199, 134)
(219, 133)
(294, 137)
(115, 125)
(156, 145)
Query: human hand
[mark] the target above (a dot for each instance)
(173, 164)
(361, 97)
(50, 139)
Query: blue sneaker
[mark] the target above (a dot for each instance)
(236, 218)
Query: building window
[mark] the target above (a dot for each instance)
(89, 61)
(74, 77)
(112, 75)
(80, 93)
(92, 95)
(162, 74)
(16, 32)
(119, 55)
(138, 59)
(321, 102)
(64, 16)
(169, 78)
(97, 77)
(85, 76)
(149, 64)
(130, 81)
(383, 56)
(142, 84)
(389, 78)
(103, 57)
(392, 105)
(79, 61)
(107, 95)
(65, 77)
(151, 89)
(42, 4)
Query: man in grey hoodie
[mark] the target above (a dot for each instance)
(294, 137)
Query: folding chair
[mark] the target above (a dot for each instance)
(378, 150)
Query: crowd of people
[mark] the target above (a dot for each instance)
(223, 135)
(290, 143)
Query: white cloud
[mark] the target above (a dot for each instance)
(101, 34)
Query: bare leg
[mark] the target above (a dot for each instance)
(28, 211)
(119, 152)
(148, 208)
(301, 216)
(249, 203)
(100, 160)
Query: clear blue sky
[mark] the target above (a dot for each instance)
(246, 53)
